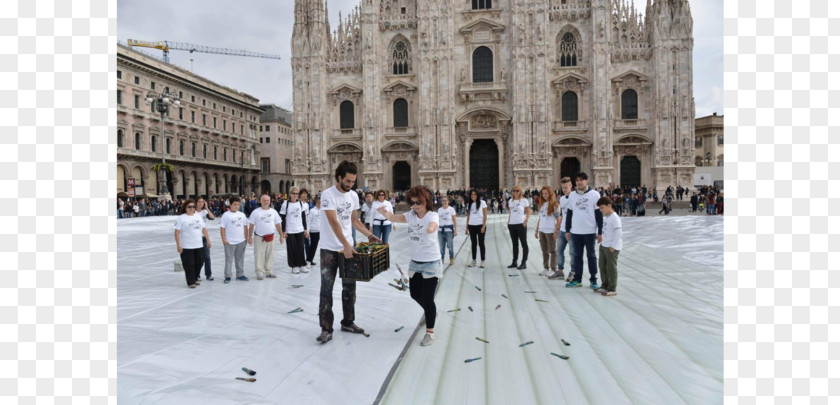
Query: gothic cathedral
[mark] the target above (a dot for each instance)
(492, 93)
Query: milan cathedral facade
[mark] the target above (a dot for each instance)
(492, 93)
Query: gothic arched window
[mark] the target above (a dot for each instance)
(629, 105)
(482, 65)
(570, 106)
(400, 113)
(482, 4)
(400, 58)
(347, 112)
(568, 51)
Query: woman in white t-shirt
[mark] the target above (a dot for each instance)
(313, 219)
(293, 214)
(189, 229)
(304, 198)
(381, 225)
(518, 216)
(202, 210)
(476, 224)
(424, 270)
(548, 228)
(448, 229)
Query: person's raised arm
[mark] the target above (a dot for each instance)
(390, 216)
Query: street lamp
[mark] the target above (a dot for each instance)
(162, 102)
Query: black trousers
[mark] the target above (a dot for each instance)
(518, 234)
(295, 251)
(475, 234)
(329, 270)
(314, 238)
(192, 260)
(423, 291)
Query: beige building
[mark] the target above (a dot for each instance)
(210, 139)
(276, 149)
(492, 93)
(708, 141)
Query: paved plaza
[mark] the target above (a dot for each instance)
(659, 341)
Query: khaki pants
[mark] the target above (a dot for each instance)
(263, 255)
(547, 245)
(608, 265)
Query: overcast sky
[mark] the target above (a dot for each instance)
(266, 27)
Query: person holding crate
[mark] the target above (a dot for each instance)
(339, 205)
(425, 269)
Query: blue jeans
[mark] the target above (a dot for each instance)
(382, 232)
(561, 248)
(207, 272)
(580, 241)
(445, 240)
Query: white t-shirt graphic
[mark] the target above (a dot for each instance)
(517, 210)
(445, 215)
(313, 220)
(343, 204)
(476, 213)
(264, 221)
(294, 220)
(376, 217)
(190, 227)
(233, 224)
(547, 222)
(424, 246)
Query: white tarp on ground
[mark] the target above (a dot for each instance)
(659, 341)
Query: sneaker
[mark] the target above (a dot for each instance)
(324, 337)
(573, 284)
(472, 263)
(295, 270)
(210, 278)
(427, 340)
(227, 280)
(600, 290)
(304, 269)
(522, 266)
(352, 328)
(260, 278)
(594, 286)
(482, 264)
(271, 275)
(558, 275)
(198, 281)
(242, 278)
(545, 272)
(192, 285)
(609, 293)
(512, 265)
(571, 276)
(452, 261)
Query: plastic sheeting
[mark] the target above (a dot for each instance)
(659, 341)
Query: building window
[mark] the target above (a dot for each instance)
(570, 106)
(482, 60)
(204, 119)
(153, 85)
(168, 145)
(152, 107)
(204, 150)
(119, 97)
(192, 99)
(629, 105)
(400, 59)
(224, 125)
(698, 142)
(261, 140)
(119, 74)
(224, 155)
(267, 140)
(120, 139)
(181, 147)
(288, 166)
(242, 129)
(136, 79)
(137, 141)
(215, 153)
(152, 143)
(400, 113)
(192, 150)
(136, 101)
(224, 109)
(180, 94)
(214, 122)
(214, 106)
(264, 163)
(482, 4)
(203, 102)
(180, 113)
(233, 153)
(720, 139)
(192, 116)
(346, 112)
(567, 50)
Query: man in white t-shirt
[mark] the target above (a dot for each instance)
(339, 206)
(264, 221)
(234, 230)
(562, 242)
(583, 222)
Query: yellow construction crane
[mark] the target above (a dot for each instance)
(166, 46)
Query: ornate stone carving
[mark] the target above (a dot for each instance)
(483, 122)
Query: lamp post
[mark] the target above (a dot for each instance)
(162, 101)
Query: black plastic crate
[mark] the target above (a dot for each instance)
(364, 266)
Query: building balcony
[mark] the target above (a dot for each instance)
(570, 126)
(637, 124)
(483, 91)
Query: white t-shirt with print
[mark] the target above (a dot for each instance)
(234, 224)
(612, 232)
(264, 221)
(446, 215)
(294, 220)
(313, 220)
(376, 215)
(547, 222)
(190, 227)
(343, 204)
(368, 214)
(564, 205)
(424, 246)
(203, 215)
(476, 213)
(517, 210)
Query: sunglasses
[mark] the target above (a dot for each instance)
(294, 193)
(191, 206)
(413, 202)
